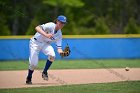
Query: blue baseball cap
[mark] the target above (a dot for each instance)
(62, 18)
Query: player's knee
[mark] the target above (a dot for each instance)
(32, 66)
(51, 58)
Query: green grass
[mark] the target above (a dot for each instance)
(119, 87)
(73, 64)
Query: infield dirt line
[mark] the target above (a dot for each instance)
(16, 79)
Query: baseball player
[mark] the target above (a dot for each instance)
(46, 34)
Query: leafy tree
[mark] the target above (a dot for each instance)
(19, 17)
(4, 28)
(31, 29)
(132, 27)
(101, 27)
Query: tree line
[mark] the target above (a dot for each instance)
(20, 17)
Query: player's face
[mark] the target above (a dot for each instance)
(60, 24)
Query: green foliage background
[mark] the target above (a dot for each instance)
(19, 17)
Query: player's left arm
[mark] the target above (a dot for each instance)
(59, 46)
(62, 53)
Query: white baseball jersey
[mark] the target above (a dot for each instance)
(50, 29)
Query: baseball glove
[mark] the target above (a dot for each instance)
(66, 52)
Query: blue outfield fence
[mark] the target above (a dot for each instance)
(81, 48)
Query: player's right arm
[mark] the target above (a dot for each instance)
(39, 30)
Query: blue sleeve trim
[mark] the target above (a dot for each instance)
(59, 46)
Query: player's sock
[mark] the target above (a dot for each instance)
(47, 66)
(30, 72)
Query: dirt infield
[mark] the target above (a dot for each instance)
(16, 79)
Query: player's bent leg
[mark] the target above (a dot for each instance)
(33, 59)
(47, 66)
(29, 77)
(51, 58)
(48, 51)
(33, 62)
(30, 72)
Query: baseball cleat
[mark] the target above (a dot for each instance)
(28, 81)
(45, 75)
